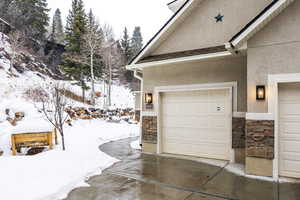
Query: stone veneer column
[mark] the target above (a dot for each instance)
(149, 129)
(137, 114)
(260, 139)
(238, 133)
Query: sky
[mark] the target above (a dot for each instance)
(150, 15)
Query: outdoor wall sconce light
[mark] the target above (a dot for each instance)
(260, 92)
(149, 100)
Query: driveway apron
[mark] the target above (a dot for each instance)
(150, 177)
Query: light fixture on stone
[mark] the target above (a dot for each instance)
(260, 92)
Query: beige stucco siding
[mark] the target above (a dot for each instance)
(274, 50)
(200, 29)
(214, 71)
(137, 101)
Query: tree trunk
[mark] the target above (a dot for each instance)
(63, 141)
(110, 77)
(82, 87)
(93, 78)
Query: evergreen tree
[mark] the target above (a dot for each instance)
(125, 45)
(136, 45)
(136, 41)
(57, 33)
(29, 16)
(127, 54)
(74, 62)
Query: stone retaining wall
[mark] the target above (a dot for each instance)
(238, 133)
(260, 139)
(137, 114)
(149, 129)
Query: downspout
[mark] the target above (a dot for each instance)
(136, 75)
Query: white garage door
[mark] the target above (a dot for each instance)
(289, 128)
(197, 123)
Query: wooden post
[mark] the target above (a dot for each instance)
(55, 132)
(50, 140)
(13, 146)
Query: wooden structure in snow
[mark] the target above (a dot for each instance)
(21, 140)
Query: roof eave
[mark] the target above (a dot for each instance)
(258, 24)
(142, 66)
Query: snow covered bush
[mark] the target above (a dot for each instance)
(37, 94)
(54, 106)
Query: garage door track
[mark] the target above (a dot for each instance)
(149, 177)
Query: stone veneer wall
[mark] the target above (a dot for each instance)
(238, 133)
(137, 115)
(149, 129)
(260, 139)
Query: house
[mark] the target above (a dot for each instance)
(221, 80)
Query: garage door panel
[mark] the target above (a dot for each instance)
(290, 109)
(290, 146)
(211, 122)
(185, 122)
(289, 130)
(194, 134)
(186, 109)
(196, 123)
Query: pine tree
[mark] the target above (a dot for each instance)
(125, 45)
(29, 16)
(136, 41)
(74, 62)
(136, 46)
(57, 33)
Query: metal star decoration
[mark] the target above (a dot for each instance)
(219, 18)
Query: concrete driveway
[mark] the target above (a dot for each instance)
(150, 177)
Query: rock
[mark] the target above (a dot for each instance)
(85, 117)
(12, 121)
(35, 150)
(1, 152)
(69, 122)
(19, 116)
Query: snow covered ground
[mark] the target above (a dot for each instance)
(52, 174)
(136, 145)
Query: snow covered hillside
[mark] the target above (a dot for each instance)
(52, 173)
(14, 84)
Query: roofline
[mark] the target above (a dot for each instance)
(258, 22)
(171, 2)
(141, 66)
(237, 41)
(159, 32)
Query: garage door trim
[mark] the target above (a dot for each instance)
(231, 86)
(273, 104)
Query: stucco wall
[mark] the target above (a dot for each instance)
(214, 71)
(137, 101)
(273, 50)
(200, 29)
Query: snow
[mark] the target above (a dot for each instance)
(52, 174)
(136, 145)
(32, 126)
